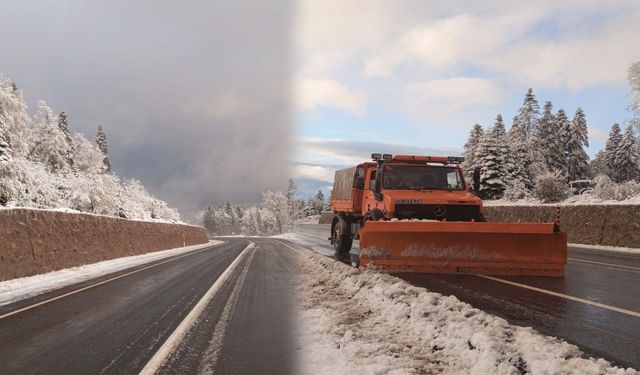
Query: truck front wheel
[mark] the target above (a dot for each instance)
(341, 235)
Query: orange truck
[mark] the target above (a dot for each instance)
(417, 214)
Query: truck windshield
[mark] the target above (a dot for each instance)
(421, 177)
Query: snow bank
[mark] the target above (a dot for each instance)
(363, 322)
(25, 287)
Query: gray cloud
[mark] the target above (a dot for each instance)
(194, 95)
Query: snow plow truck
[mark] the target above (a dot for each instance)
(417, 214)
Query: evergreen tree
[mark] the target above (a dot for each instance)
(626, 158)
(292, 202)
(491, 160)
(577, 158)
(208, 221)
(528, 114)
(103, 145)
(546, 149)
(610, 150)
(469, 151)
(50, 147)
(559, 157)
(521, 174)
(598, 165)
(228, 210)
(63, 125)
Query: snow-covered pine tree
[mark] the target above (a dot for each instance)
(610, 150)
(103, 145)
(546, 149)
(491, 160)
(577, 158)
(314, 205)
(50, 147)
(528, 114)
(63, 125)
(228, 210)
(208, 220)
(521, 174)
(469, 151)
(559, 158)
(626, 157)
(598, 165)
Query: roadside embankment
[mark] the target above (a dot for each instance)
(38, 241)
(609, 225)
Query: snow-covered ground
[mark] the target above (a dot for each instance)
(72, 211)
(25, 287)
(364, 322)
(574, 200)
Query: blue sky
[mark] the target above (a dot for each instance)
(420, 74)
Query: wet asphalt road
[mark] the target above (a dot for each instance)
(608, 278)
(117, 327)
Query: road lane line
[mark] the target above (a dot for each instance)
(565, 296)
(210, 356)
(178, 334)
(604, 264)
(291, 247)
(14, 312)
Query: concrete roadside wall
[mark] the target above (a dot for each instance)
(36, 241)
(610, 225)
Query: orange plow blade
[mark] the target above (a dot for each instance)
(531, 249)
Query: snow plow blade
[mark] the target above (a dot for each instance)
(529, 249)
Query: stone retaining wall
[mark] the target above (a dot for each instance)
(610, 225)
(37, 241)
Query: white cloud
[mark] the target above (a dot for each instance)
(313, 93)
(315, 172)
(455, 92)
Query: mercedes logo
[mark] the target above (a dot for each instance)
(439, 211)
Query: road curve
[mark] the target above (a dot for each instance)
(118, 326)
(609, 327)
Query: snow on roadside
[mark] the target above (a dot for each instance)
(25, 287)
(364, 322)
(615, 249)
(72, 211)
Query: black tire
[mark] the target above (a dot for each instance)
(341, 235)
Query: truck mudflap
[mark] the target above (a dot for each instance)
(523, 249)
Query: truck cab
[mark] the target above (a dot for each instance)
(402, 187)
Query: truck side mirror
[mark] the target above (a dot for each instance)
(476, 179)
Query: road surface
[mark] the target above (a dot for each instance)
(136, 322)
(596, 306)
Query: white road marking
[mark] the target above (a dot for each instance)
(178, 334)
(291, 247)
(605, 264)
(210, 356)
(565, 296)
(14, 312)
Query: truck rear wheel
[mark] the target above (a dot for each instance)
(341, 235)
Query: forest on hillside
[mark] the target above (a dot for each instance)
(43, 164)
(544, 150)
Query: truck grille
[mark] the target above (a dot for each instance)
(451, 212)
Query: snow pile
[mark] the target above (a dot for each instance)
(25, 287)
(355, 322)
